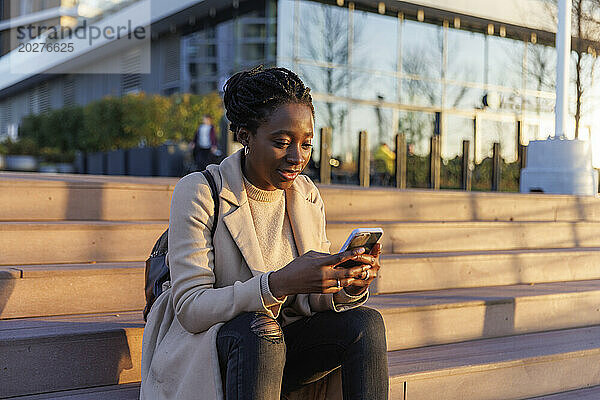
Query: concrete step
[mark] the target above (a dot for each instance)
(77, 242)
(591, 393)
(425, 237)
(128, 391)
(47, 197)
(108, 241)
(507, 368)
(348, 203)
(446, 316)
(131, 391)
(423, 317)
(103, 349)
(73, 352)
(43, 290)
(68, 353)
(433, 271)
(25, 197)
(60, 289)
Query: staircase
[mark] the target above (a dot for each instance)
(484, 296)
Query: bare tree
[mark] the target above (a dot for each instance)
(324, 36)
(418, 126)
(585, 28)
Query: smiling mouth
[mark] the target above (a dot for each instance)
(289, 174)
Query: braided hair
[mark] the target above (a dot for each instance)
(251, 96)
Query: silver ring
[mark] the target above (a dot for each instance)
(367, 277)
(339, 284)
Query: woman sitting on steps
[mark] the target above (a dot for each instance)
(258, 311)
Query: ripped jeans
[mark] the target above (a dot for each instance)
(257, 357)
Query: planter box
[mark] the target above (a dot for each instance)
(116, 162)
(48, 169)
(21, 163)
(141, 161)
(65, 168)
(80, 162)
(169, 159)
(96, 163)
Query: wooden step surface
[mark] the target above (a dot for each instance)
(77, 241)
(71, 352)
(348, 203)
(127, 391)
(83, 351)
(591, 393)
(414, 319)
(423, 317)
(434, 271)
(514, 367)
(29, 242)
(445, 316)
(27, 197)
(430, 237)
(64, 196)
(58, 289)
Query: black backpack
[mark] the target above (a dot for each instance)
(157, 272)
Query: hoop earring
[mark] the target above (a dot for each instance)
(246, 150)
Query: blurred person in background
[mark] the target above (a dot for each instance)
(204, 145)
(384, 160)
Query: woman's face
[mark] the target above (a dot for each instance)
(280, 148)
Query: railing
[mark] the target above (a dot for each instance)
(400, 170)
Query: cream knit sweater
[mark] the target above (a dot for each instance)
(276, 239)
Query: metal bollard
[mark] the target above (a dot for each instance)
(521, 148)
(434, 162)
(522, 156)
(401, 161)
(496, 168)
(325, 156)
(363, 159)
(466, 170)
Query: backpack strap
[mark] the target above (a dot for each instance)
(157, 272)
(215, 197)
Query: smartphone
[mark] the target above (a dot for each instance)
(360, 237)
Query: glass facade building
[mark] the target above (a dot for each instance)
(390, 72)
(386, 67)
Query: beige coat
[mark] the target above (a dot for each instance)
(179, 353)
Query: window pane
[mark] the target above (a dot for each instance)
(501, 132)
(254, 31)
(375, 45)
(334, 115)
(539, 104)
(285, 30)
(465, 56)
(505, 62)
(464, 97)
(377, 121)
(541, 67)
(332, 81)
(323, 33)
(368, 86)
(456, 130)
(421, 92)
(422, 49)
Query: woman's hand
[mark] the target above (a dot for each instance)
(358, 286)
(314, 272)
